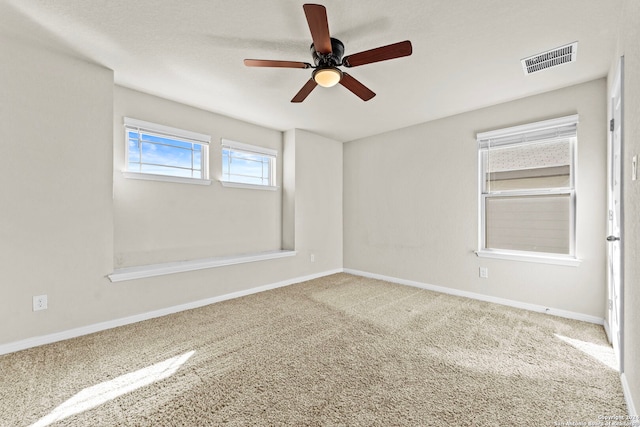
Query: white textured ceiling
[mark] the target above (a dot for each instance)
(466, 53)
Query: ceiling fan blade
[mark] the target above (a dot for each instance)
(305, 91)
(319, 26)
(356, 87)
(383, 53)
(279, 64)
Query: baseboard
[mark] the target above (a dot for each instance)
(481, 297)
(607, 331)
(631, 408)
(97, 327)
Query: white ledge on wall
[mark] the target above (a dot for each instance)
(165, 178)
(249, 186)
(142, 271)
(543, 259)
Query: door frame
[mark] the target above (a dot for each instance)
(616, 89)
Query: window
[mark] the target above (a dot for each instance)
(248, 166)
(527, 191)
(164, 153)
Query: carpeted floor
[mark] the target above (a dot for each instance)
(340, 350)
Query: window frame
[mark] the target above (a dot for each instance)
(227, 144)
(519, 135)
(168, 132)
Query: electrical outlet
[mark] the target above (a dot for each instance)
(484, 272)
(313, 257)
(40, 302)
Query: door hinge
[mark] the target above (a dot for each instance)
(610, 305)
(610, 215)
(611, 125)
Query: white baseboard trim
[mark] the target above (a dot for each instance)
(607, 331)
(481, 297)
(97, 327)
(631, 408)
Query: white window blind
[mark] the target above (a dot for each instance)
(527, 188)
(538, 132)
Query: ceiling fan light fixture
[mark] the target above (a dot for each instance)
(327, 77)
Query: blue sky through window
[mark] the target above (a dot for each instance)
(155, 154)
(245, 167)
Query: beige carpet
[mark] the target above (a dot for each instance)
(337, 351)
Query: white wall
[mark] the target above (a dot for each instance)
(63, 193)
(411, 204)
(159, 222)
(56, 215)
(318, 198)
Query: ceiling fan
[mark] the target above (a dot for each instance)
(327, 56)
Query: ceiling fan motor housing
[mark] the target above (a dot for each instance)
(329, 60)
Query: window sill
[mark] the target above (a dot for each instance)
(143, 271)
(531, 257)
(249, 186)
(165, 178)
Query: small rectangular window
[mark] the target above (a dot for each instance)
(248, 165)
(162, 151)
(527, 190)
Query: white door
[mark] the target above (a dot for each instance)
(614, 198)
